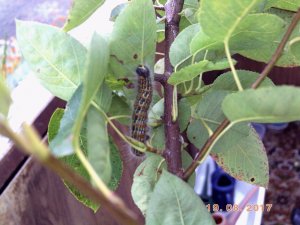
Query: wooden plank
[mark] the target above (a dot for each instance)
(38, 197)
(14, 159)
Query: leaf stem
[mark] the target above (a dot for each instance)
(122, 136)
(174, 105)
(118, 117)
(235, 75)
(206, 148)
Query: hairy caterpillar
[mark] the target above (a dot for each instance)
(141, 106)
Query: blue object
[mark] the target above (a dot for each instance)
(296, 216)
(277, 126)
(260, 129)
(222, 188)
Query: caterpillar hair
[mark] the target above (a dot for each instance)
(141, 106)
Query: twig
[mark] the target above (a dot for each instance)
(278, 51)
(203, 152)
(33, 145)
(172, 153)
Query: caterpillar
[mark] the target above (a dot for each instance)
(141, 106)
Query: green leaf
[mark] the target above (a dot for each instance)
(244, 158)
(117, 10)
(119, 106)
(97, 65)
(98, 144)
(103, 97)
(81, 10)
(5, 99)
(194, 4)
(231, 21)
(158, 137)
(174, 202)
(226, 81)
(220, 19)
(144, 180)
(202, 41)
(190, 15)
(238, 149)
(295, 47)
(265, 105)
(117, 167)
(71, 160)
(265, 52)
(291, 5)
(147, 175)
(57, 59)
(252, 35)
(75, 164)
(245, 36)
(184, 114)
(61, 144)
(98, 147)
(190, 72)
(180, 50)
(133, 38)
(54, 123)
(155, 113)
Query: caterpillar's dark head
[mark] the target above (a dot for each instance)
(143, 71)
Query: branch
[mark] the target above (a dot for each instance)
(278, 51)
(172, 153)
(33, 145)
(203, 152)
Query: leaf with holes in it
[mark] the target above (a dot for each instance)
(238, 149)
(5, 99)
(81, 10)
(60, 69)
(264, 105)
(133, 38)
(174, 202)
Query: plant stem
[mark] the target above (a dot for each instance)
(33, 145)
(234, 73)
(172, 152)
(278, 51)
(207, 146)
